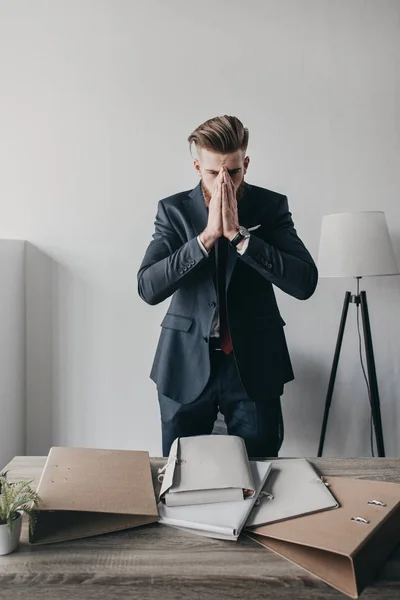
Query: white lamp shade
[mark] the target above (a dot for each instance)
(356, 245)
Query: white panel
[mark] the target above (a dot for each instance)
(12, 350)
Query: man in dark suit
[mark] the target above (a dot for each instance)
(218, 250)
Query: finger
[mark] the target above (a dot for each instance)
(227, 200)
(229, 191)
(223, 192)
(233, 187)
(223, 204)
(232, 201)
(220, 195)
(217, 184)
(230, 181)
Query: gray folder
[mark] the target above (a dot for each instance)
(293, 489)
(206, 468)
(223, 520)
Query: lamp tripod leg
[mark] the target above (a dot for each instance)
(332, 378)
(372, 379)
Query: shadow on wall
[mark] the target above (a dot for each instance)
(63, 381)
(39, 269)
(396, 247)
(303, 405)
(388, 380)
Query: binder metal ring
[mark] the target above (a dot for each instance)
(359, 519)
(161, 470)
(322, 480)
(265, 495)
(376, 502)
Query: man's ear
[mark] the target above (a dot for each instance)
(246, 164)
(197, 166)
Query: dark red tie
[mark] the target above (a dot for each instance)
(224, 334)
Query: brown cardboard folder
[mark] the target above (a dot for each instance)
(88, 491)
(343, 552)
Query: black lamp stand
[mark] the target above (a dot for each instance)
(359, 299)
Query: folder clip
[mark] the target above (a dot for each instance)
(265, 495)
(359, 519)
(161, 471)
(322, 480)
(376, 502)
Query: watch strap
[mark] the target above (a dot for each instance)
(237, 239)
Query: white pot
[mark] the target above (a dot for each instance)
(9, 541)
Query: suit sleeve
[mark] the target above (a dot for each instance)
(166, 263)
(283, 259)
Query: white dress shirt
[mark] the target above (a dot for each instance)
(215, 322)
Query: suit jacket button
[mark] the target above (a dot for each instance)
(213, 304)
(269, 266)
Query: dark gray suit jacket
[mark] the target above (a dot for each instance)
(174, 265)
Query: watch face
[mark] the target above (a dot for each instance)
(243, 231)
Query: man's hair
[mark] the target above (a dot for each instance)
(222, 134)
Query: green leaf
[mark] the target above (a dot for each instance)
(17, 497)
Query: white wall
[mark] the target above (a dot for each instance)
(97, 99)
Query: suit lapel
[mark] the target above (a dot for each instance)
(196, 209)
(246, 207)
(197, 212)
(244, 210)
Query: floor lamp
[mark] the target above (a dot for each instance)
(356, 245)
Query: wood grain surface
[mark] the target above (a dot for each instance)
(164, 563)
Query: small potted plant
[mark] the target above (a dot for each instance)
(16, 498)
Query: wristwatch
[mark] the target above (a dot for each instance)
(242, 234)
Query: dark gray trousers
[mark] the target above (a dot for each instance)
(259, 422)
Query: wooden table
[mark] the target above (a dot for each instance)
(161, 563)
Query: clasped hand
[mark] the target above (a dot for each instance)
(223, 212)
